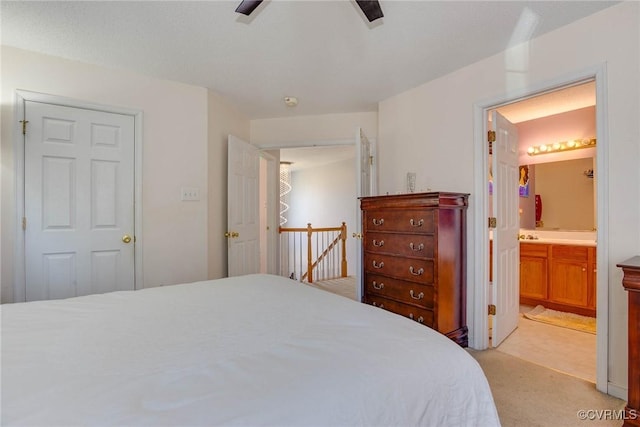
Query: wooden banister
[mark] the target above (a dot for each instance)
(309, 254)
(311, 264)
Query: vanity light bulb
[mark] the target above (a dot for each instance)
(571, 144)
(531, 150)
(556, 146)
(543, 147)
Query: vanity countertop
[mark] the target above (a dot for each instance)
(574, 238)
(572, 242)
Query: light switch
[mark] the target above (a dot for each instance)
(190, 194)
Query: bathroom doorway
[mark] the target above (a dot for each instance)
(558, 217)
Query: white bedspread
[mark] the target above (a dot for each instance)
(252, 350)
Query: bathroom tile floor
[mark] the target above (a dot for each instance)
(565, 350)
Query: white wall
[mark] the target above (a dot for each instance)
(332, 201)
(174, 155)
(429, 129)
(303, 130)
(223, 120)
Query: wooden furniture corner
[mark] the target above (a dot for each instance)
(631, 282)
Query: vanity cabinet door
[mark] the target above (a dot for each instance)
(533, 277)
(568, 282)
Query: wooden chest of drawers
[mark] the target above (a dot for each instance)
(414, 260)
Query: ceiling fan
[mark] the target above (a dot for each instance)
(370, 8)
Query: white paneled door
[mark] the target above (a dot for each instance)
(79, 201)
(506, 246)
(243, 214)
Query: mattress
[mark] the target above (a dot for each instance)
(249, 350)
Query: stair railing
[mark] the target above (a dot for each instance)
(298, 246)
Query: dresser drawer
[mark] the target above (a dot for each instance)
(399, 290)
(420, 315)
(413, 245)
(414, 270)
(413, 221)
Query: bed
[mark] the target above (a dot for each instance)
(249, 350)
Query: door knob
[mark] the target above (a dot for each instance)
(357, 235)
(231, 234)
(126, 238)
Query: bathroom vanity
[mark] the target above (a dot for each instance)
(560, 276)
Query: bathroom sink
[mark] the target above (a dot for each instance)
(575, 242)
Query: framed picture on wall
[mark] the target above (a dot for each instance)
(524, 181)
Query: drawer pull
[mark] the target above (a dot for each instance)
(416, 248)
(378, 243)
(420, 295)
(378, 221)
(415, 273)
(377, 305)
(376, 265)
(419, 319)
(416, 224)
(378, 287)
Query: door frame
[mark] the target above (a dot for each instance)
(272, 243)
(329, 143)
(20, 96)
(478, 296)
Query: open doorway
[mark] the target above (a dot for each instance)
(317, 208)
(557, 217)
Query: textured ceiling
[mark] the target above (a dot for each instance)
(323, 52)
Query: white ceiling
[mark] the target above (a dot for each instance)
(556, 102)
(311, 157)
(323, 52)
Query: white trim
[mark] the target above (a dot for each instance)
(617, 391)
(477, 293)
(19, 269)
(20, 97)
(602, 249)
(305, 144)
(273, 241)
(478, 296)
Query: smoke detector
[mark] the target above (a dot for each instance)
(290, 101)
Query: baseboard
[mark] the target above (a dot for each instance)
(617, 391)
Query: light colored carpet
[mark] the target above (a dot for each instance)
(529, 395)
(560, 318)
(344, 286)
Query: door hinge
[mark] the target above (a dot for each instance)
(24, 223)
(492, 309)
(493, 222)
(24, 126)
(370, 160)
(491, 136)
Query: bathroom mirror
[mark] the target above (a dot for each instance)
(566, 191)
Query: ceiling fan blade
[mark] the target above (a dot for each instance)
(248, 6)
(371, 9)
